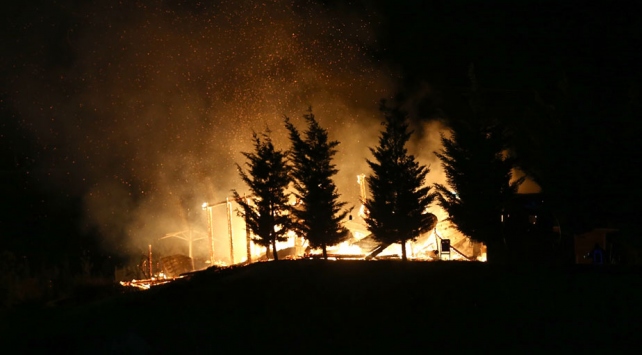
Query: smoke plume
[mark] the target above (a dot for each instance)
(143, 108)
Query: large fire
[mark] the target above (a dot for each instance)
(142, 110)
(443, 242)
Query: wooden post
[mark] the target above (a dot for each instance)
(150, 262)
(229, 229)
(191, 254)
(210, 229)
(248, 238)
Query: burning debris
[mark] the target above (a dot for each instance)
(429, 247)
(175, 265)
(146, 284)
(172, 268)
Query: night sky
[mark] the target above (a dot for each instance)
(120, 118)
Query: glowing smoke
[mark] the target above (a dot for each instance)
(156, 100)
(143, 107)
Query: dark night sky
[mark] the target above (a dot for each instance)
(118, 116)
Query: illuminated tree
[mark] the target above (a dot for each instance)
(318, 214)
(397, 208)
(478, 173)
(266, 211)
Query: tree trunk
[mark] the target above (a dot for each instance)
(325, 251)
(276, 255)
(476, 249)
(496, 252)
(403, 250)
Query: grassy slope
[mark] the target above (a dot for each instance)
(356, 305)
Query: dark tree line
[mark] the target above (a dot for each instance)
(267, 177)
(478, 169)
(397, 210)
(581, 145)
(478, 154)
(317, 214)
(577, 142)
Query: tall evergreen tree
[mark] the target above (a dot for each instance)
(318, 214)
(479, 174)
(579, 144)
(400, 198)
(267, 211)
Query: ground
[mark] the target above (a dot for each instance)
(352, 306)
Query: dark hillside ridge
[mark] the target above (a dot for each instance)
(344, 306)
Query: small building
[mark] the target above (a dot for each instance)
(586, 244)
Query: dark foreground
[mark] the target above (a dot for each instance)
(352, 306)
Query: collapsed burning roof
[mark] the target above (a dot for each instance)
(175, 265)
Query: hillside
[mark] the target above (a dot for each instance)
(346, 306)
